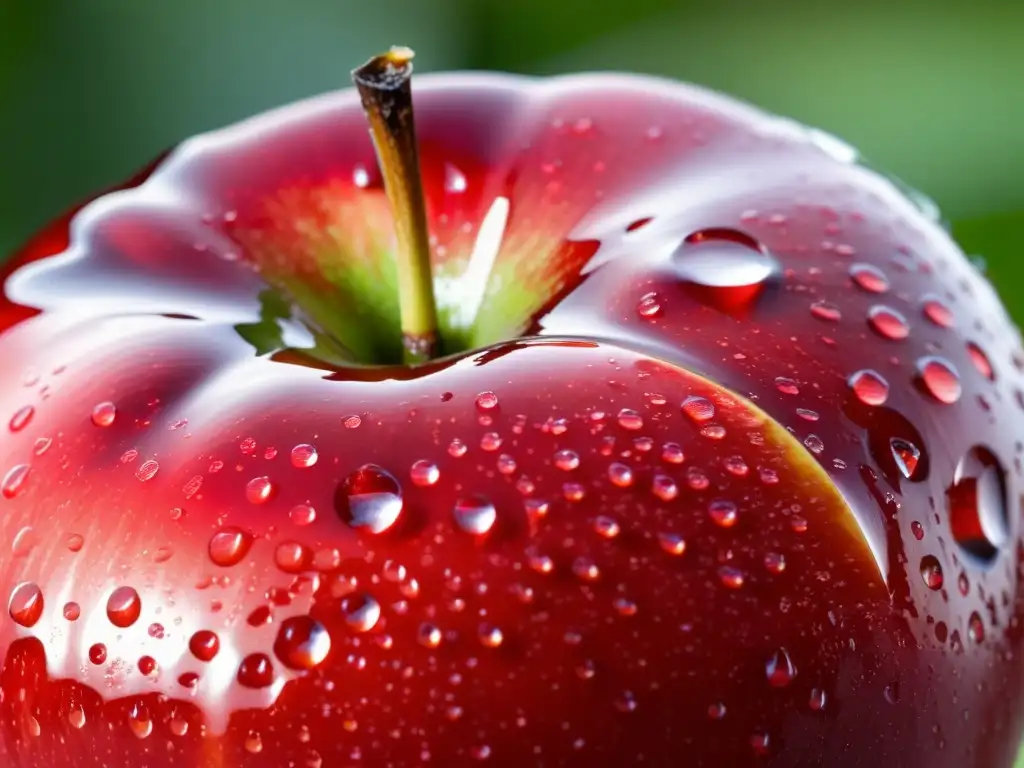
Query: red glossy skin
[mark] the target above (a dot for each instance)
(616, 647)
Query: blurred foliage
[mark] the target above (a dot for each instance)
(89, 91)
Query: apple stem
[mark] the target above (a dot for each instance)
(384, 85)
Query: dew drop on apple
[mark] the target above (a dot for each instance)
(649, 306)
(490, 636)
(698, 409)
(977, 504)
(21, 418)
(672, 543)
(361, 612)
(123, 607)
(731, 577)
(140, 721)
(869, 278)
(302, 643)
(814, 444)
(26, 604)
(486, 401)
(917, 529)
(204, 644)
(72, 611)
(907, 456)
(672, 453)
(620, 474)
(629, 419)
(147, 470)
(606, 527)
(428, 635)
(14, 481)
(817, 699)
(506, 464)
(457, 448)
(256, 671)
(351, 422)
(424, 473)
(780, 669)
(936, 311)
(302, 514)
(775, 562)
(370, 499)
(97, 653)
(696, 479)
(664, 487)
(104, 414)
(939, 379)
(292, 557)
(826, 311)
(869, 386)
(716, 710)
(728, 268)
(980, 361)
(566, 459)
(304, 455)
(586, 569)
(490, 441)
(975, 628)
(931, 572)
(786, 385)
(76, 717)
(475, 514)
(253, 743)
(259, 490)
(723, 512)
(888, 323)
(229, 546)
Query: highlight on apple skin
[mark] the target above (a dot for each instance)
(713, 457)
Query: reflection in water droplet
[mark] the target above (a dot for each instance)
(937, 312)
(888, 323)
(917, 529)
(649, 306)
(939, 379)
(256, 671)
(475, 514)
(370, 499)
(817, 699)
(723, 512)
(97, 653)
(980, 360)
(228, 546)
(931, 572)
(699, 409)
(424, 473)
(727, 268)
(869, 278)
(259, 490)
(826, 311)
(567, 460)
(304, 455)
(147, 470)
(204, 644)
(302, 643)
(780, 669)
(486, 401)
(978, 512)
(975, 628)
(907, 456)
(123, 607)
(361, 612)
(606, 527)
(26, 604)
(428, 635)
(620, 474)
(103, 414)
(730, 577)
(869, 387)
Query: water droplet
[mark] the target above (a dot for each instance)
(361, 612)
(892, 692)
(672, 453)
(428, 635)
(228, 546)
(490, 441)
(148, 666)
(147, 470)
(726, 268)
(735, 465)
(253, 743)
(606, 527)
(475, 514)
(888, 323)
(457, 448)
(672, 543)
(980, 361)
(454, 179)
(370, 499)
(723, 512)
(13, 483)
(76, 717)
(978, 512)
(716, 710)
(256, 671)
(775, 562)
(204, 644)
(302, 514)
(72, 611)
(938, 313)
(630, 419)
(699, 409)
(620, 474)
(97, 653)
(940, 379)
(817, 699)
(103, 414)
(814, 444)
(649, 306)
(917, 529)
(26, 604)
(664, 487)
(490, 636)
(907, 456)
(486, 401)
(760, 742)
(21, 418)
(869, 278)
(304, 455)
(826, 311)
(931, 572)
(123, 607)
(869, 387)
(567, 460)
(42, 445)
(713, 431)
(780, 669)
(259, 490)
(139, 721)
(586, 569)
(424, 473)
(730, 577)
(302, 643)
(292, 557)
(975, 628)
(351, 422)
(786, 385)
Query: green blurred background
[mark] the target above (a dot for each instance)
(930, 91)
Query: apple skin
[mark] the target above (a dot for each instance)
(847, 587)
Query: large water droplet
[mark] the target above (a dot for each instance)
(424, 473)
(907, 456)
(304, 455)
(302, 643)
(869, 278)
(370, 499)
(725, 268)
(204, 644)
(259, 490)
(361, 612)
(931, 572)
(13, 483)
(977, 504)
(980, 360)
(475, 514)
(228, 546)
(698, 408)
(869, 387)
(939, 379)
(888, 323)
(256, 671)
(780, 669)
(26, 604)
(123, 607)
(103, 414)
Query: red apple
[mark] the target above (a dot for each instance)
(721, 467)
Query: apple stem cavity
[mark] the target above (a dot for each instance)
(385, 87)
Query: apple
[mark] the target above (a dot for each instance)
(603, 421)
